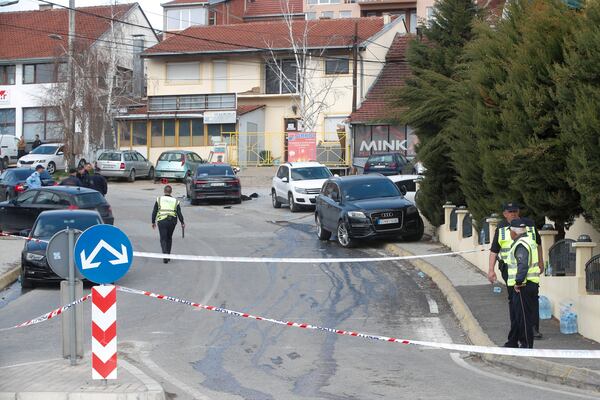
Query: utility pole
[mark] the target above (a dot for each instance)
(354, 66)
(71, 82)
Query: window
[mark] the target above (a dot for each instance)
(124, 134)
(190, 103)
(345, 14)
(43, 121)
(191, 132)
(216, 131)
(44, 73)
(27, 197)
(281, 77)
(197, 132)
(7, 121)
(47, 198)
(327, 15)
(337, 65)
(139, 134)
(282, 173)
(156, 133)
(183, 71)
(169, 132)
(413, 21)
(335, 129)
(7, 74)
(182, 18)
(312, 1)
(311, 15)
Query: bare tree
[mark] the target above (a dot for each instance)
(312, 86)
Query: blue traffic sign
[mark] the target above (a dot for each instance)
(103, 254)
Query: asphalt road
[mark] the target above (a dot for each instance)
(207, 355)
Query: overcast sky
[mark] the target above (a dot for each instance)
(152, 8)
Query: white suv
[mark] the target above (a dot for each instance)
(298, 184)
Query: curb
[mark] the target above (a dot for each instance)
(534, 367)
(9, 277)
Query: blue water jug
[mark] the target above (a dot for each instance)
(545, 308)
(573, 323)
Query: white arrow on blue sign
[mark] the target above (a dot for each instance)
(103, 254)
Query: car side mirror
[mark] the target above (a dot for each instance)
(60, 153)
(25, 232)
(285, 179)
(403, 190)
(236, 170)
(336, 175)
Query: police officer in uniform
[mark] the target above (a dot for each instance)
(524, 278)
(167, 210)
(500, 249)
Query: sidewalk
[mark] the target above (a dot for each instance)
(61, 381)
(483, 315)
(10, 256)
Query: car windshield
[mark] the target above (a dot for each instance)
(48, 225)
(300, 174)
(170, 157)
(87, 200)
(44, 150)
(218, 170)
(110, 157)
(370, 190)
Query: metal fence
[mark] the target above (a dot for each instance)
(562, 258)
(484, 232)
(453, 220)
(467, 226)
(592, 275)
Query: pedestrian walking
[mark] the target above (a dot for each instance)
(167, 210)
(36, 143)
(96, 181)
(34, 180)
(21, 147)
(72, 179)
(500, 248)
(524, 278)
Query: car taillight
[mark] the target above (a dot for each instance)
(20, 188)
(182, 160)
(122, 166)
(72, 207)
(200, 182)
(55, 184)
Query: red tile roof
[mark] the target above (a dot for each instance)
(264, 35)
(24, 34)
(259, 8)
(393, 75)
(245, 109)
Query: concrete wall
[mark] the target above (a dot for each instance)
(559, 289)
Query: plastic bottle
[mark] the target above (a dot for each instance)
(566, 318)
(497, 289)
(545, 308)
(574, 327)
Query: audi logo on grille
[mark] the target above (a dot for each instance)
(387, 214)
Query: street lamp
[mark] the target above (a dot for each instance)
(7, 3)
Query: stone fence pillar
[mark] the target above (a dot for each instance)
(461, 213)
(548, 236)
(448, 207)
(583, 252)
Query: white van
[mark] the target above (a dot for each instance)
(8, 150)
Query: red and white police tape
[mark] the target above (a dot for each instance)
(48, 315)
(551, 353)
(104, 332)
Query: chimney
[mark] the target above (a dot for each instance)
(45, 7)
(387, 18)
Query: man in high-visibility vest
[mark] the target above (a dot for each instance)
(167, 210)
(524, 277)
(500, 247)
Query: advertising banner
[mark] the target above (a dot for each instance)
(302, 146)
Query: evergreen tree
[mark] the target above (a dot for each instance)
(427, 100)
(578, 97)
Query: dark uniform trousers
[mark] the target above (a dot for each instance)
(523, 315)
(511, 291)
(166, 227)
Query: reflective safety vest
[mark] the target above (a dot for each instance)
(167, 207)
(533, 273)
(505, 241)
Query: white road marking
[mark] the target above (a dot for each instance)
(462, 363)
(430, 328)
(29, 363)
(433, 306)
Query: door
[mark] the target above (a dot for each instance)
(44, 201)
(220, 76)
(280, 185)
(143, 163)
(329, 209)
(129, 163)
(59, 158)
(15, 216)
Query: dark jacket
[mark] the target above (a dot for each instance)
(36, 143)
(98, 182)
(70, 181)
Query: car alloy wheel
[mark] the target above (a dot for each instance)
(131, 177)
(343, 235)
(322, 233)
(151, 174)
(293, 206)
(276, 203)
(51, 168)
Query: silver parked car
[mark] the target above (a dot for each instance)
(127, 164)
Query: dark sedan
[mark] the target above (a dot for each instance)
(12, 182)
(214, 181)
(365, 207)
(388, 164)
(34, 266)
(20, 213)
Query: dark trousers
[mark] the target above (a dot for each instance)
(166, 227)
(523, 311)
(510, 291)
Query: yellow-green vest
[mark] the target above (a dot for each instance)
(533, 273)
(505, 241)
(167, 207)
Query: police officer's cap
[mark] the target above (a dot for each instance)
(511, 206)
(518, 223)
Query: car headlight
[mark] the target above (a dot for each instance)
(34, 257)
(357, 214)
(411, 210)
(40, 161)
(300, 190)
